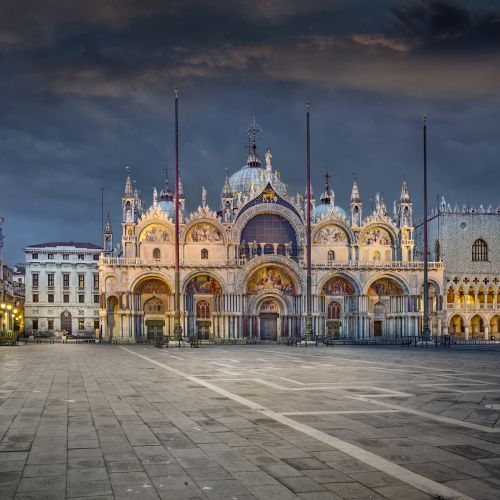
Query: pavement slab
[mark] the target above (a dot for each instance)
(248, 422)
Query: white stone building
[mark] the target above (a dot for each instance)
(243, 271)
(62, 287)
(467, 241)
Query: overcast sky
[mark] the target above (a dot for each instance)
(86, 88)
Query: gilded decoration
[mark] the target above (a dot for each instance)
(153, 286)
(330, 235)
(385, 286)
(338, 286)
(376, 236)
(204, 232)
(203, 284)
(270, 278)
(155, 233)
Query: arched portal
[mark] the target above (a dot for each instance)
(269, 311)
(457, 327)
(66, 322)
(495, 327)
(154, 302)
(477, 327)
(203, 304)
(385, 300)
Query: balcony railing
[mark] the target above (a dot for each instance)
(136, 261)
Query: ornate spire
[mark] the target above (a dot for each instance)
(108, 229)
(166, 194)
(226, 192)
(355, 197)
(405, 195)
(129, 192)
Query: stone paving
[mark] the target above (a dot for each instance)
(269, 422)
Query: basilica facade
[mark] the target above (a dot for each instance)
(243, 269)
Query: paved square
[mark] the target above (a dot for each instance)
(247, 422)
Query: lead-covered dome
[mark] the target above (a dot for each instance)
(253, 174)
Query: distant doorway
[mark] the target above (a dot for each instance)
(154, 328)
(203, 329)
(66, 321)
(268, 317)
(268, 326)
(377, 328)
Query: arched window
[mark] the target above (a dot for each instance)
(203, 309)
(331, 256)
(479, 251)
(156, 254)
(376, 256)
(333, 310)
(204, 254)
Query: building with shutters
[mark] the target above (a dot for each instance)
(62, 288)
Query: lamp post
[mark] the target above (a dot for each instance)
(177, 298)
(425, 327)
(308, 334)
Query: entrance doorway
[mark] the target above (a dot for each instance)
(268, 316)
(268, 326)
(333, 329)
(377, 328)
(66, 322)
(203, 329)
(154, 328)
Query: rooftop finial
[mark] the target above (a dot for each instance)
(327, 178)
(253, 132)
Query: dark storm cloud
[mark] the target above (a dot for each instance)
(86, 88)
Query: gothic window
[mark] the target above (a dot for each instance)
(479, 251)
(376, 256)
(334, 310)
(204, 254)
(203, 309)
(331, 256)
(156, 254)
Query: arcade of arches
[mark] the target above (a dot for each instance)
(270, 308)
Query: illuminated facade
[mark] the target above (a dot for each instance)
(62, 288)
(243, 270)
(467, 241)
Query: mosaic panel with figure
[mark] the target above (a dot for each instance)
(329, 235)
(153, 286)
(155, 233)
(338, 286)
(204, 232)
(203, 284)
(386, 286)
(375, 236)
(270, 278)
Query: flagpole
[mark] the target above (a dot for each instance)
(177, 298)
(308, 334)
(425, 327)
